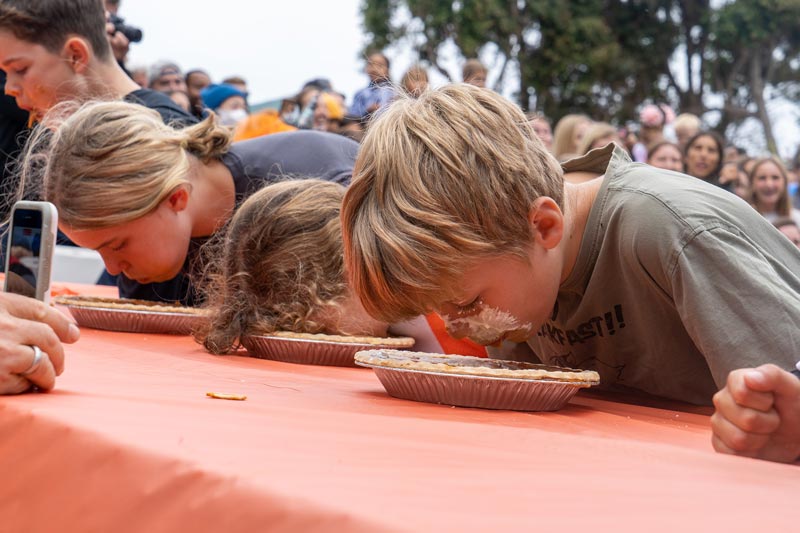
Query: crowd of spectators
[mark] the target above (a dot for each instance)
(682, 142)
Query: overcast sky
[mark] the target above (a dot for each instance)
(275, 45)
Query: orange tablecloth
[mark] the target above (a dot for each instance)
(129, 442)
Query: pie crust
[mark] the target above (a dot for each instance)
(393, 342)
(474, 366)
(125, 304)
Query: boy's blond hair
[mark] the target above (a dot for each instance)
(440, 182)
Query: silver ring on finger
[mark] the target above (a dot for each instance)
(38, 355)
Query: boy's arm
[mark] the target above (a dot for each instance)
(739, 299)
(758, 415)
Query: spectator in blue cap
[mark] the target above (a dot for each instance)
(226, 101)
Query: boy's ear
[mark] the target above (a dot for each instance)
(547, 222)
(78, 53)
(178, 199)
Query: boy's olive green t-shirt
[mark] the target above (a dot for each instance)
(677, 282)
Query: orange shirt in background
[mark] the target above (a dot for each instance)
(260, 123)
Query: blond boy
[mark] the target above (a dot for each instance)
(654, 279)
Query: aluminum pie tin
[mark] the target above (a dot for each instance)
(132, 321)
(469, 390)
(306, 351)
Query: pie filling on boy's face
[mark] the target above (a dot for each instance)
(504, 297)
(486, 325)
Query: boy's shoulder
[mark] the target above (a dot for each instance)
(654, 215)
(658, 198)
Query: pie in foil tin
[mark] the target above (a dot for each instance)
(317, 348)
(475, 382)
(132, 316)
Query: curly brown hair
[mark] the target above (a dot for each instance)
(281, 265)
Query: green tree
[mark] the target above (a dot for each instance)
(754, 56)
(579, 55)
(606, 57)
(684, 64)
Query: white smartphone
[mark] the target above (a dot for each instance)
(31, 244)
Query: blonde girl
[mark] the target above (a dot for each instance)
(568, 135)
(769, 194)
(146, 195)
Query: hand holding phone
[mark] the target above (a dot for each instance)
(31, 244)
(31, 351)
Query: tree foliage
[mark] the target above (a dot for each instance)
(755, 51)
(606, 57)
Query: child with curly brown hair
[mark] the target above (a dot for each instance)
(282, 269)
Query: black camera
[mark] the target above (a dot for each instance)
(133, 33)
